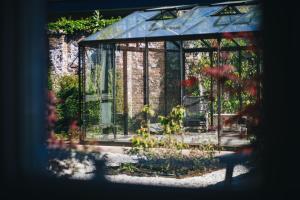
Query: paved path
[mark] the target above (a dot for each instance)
(228, 139)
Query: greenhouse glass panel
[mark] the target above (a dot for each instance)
(172, 45)
(173, 78)
(211, 24)
(135, 87)
(227, 23)
(92, 92)
(115, 30)
(247, 22)
(142, 30)
(121, 81)
(98, 102)
(184, 22)
(190, 44)
(196, 21)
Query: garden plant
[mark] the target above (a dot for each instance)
(168, 155)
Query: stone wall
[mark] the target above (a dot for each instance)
(63, 55)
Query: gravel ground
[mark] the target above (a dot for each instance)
(115, 159)
(77, 165)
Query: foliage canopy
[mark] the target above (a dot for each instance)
(89, 25)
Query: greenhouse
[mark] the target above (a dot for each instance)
(159, 57)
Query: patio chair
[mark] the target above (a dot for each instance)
(196, 111)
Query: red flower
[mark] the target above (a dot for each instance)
(190, 82)
(221, 72)
(250, 87)
(74, 125)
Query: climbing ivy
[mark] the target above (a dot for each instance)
(90, 24)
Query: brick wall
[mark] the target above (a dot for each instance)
(156, 78)
(135, 82)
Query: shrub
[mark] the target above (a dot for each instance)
(172, 124)
(165, 156)
(68, 103)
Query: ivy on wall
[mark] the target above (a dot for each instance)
(90, 24)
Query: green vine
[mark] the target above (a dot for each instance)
(90, 24)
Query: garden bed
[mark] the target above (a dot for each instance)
(175, 164)
(205, 180)
(146, 171)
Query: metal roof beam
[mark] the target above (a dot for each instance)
(204, 49)
(205, 43)
(235, 42)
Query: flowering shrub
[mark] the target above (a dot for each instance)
(224, 72)
(51, 112)
(190, 81)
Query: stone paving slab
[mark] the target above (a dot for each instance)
(228, 139)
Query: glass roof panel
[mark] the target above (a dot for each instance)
(211, 24)
(127, 23)
(144, 29)
(226, 23)
(247, 22)
(196, 21)
(186, 21)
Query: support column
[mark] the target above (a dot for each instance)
(258, 75)
(219, 129)
(182, 67)
(165, 78)
(146, 75)
(146, 83)
(82, 66)
(211, 91)
(80, 90)
(239, 85)
(125, 92)
(114, 89)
